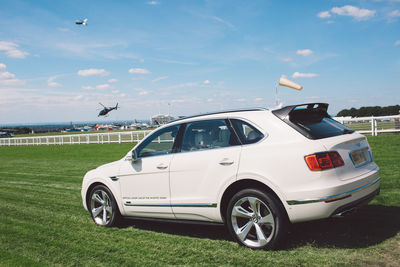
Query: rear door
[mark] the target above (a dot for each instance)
(208, 160)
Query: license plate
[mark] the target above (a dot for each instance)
(358, 157)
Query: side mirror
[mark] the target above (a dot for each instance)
(134, 155)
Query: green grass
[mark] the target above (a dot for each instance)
(43, 222)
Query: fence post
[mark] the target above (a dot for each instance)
(119, 138)
(372, 126)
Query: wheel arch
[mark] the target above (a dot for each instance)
(238, 185)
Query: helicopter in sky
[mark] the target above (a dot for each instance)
(81, 22)
(105, 110)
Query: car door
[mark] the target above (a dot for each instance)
(145, 181)
(208, 160)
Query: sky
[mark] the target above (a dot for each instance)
(186, 57)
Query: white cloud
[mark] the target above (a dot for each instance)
(230, 25)
(324, 14)
(6, 75)
(98, 87)
(11, 50)
(52, 83)
(87, 87)
(206, 82)
(138, 78)
(304, 75)
(159, 78)
(92, 72)
(115, 91)
(104, 86)
(138, 71)
(355, 12)
(112, 80)
(7, 78)
(153, 3)
(143, 92)
(257, 99)
(240, 99)
(304, 52)
(286, 59)
(394, 13)
(209, 100)
(397, 42)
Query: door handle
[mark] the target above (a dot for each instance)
(162, 166)
(226, 162)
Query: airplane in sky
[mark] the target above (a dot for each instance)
(81, 22)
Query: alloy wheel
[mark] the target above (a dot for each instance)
(253, 222)
(101, 207)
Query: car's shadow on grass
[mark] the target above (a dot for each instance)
(369, 226)
(192, 229)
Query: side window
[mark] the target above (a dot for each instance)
(208, 134)
(248, 134)
(159, 143)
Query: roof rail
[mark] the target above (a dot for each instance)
(219, 112)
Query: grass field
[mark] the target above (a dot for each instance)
(43, 222)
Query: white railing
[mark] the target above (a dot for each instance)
(372, 125)
(91, 138)
(365, 125)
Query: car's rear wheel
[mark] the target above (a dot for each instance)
(255, 219)
(103, 207)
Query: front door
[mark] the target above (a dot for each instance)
(145, 181)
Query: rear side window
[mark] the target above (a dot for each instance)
(247, 133)
(316, 124)
(208, 134)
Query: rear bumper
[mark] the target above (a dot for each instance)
(336, 199)
(348, 208)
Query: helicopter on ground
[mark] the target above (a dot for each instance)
(105, 110)
(81, 22)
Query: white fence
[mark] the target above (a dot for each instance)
(372, 125)
(92, 138)
(365, 125)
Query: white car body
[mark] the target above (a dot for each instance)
(192, 185)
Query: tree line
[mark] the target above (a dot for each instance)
(370, 111)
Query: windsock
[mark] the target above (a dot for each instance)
(285, 82)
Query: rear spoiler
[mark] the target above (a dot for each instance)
(285, 111)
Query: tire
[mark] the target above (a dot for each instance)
(103, 207)
(263, 229)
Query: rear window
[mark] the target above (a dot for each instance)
(316, 124)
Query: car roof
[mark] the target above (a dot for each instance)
(218, 112)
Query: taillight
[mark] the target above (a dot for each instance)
(324, 161)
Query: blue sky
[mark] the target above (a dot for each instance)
(193, 56)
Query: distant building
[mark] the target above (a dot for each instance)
(161, 119)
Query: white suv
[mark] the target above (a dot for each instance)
(254, 170)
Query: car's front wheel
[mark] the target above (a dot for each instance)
(103, 207)
(255, 219)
